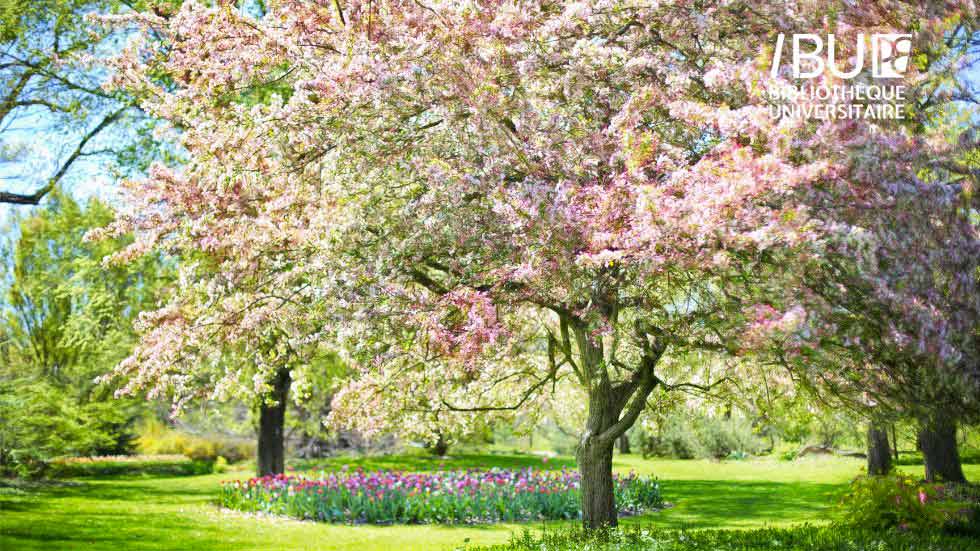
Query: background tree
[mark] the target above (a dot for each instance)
(879, 450)
(892, 302)
(55, 118)
(65, 321)
(307, 398)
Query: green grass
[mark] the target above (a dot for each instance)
(800, 538)
(429, 463)
(141, 513)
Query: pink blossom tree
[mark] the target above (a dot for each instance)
(587, 186)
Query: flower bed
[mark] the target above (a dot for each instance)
(446, 497)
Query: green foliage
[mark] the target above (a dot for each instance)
(967, 455)
(39, 421)
(677, 438)
(314, 389)
(19, 19)
(686, 436)
(44, 78)
(898, 501)
(131, 465)
(156, 439)
(786, 451)
(804, 538)
(64, 321)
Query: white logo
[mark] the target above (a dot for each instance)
(889, 56)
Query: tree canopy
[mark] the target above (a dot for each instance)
(489, 201)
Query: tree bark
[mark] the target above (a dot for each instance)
(271, 458)
(609, 418)
(441, 446)
(937, 442)
(879, 454)
(595, 454)
(894, 442)
(598, 496)
(624, 444)
(613, 407)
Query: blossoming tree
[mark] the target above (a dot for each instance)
(893, 300)
(586, 186)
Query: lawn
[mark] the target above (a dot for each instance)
(115, 513)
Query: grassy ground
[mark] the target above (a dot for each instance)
(140, 513)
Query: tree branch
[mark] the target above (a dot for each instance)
(35, 198)
(647, 382)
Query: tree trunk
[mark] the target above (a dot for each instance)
(937, 442)
(594, 454)
(879, 454)
(624, 444)
(895, 442)
(612, 410)
(272, 419)
(598, 497)
(441, 446)
(603, 429)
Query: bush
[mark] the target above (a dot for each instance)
(909, 458)
(40, 421)
(677, 438)
(899, 501)
(220, 465)
(786, 451)
(158, 465)
(803, 538)
(967, 455)
(721, 438)
(685, 437)
(447, 497)
(157, 438)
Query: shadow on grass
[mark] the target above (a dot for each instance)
(107, 490)
(718, 504)
(110, 513)
(109, 531)
(113, 513)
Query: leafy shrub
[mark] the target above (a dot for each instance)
(446, 497)
(909, 458)
(722, 437)
(676, 437)
(802, 538)
(157, 438)
(40, 421)
(65, 320)
(159, 465)
(220, 465)
(685, 437)
(898, 501)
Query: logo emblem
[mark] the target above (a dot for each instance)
(889, 56)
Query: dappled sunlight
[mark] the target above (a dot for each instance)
(139, 513)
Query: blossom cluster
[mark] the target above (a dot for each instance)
(427, 185)
(469, 496)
